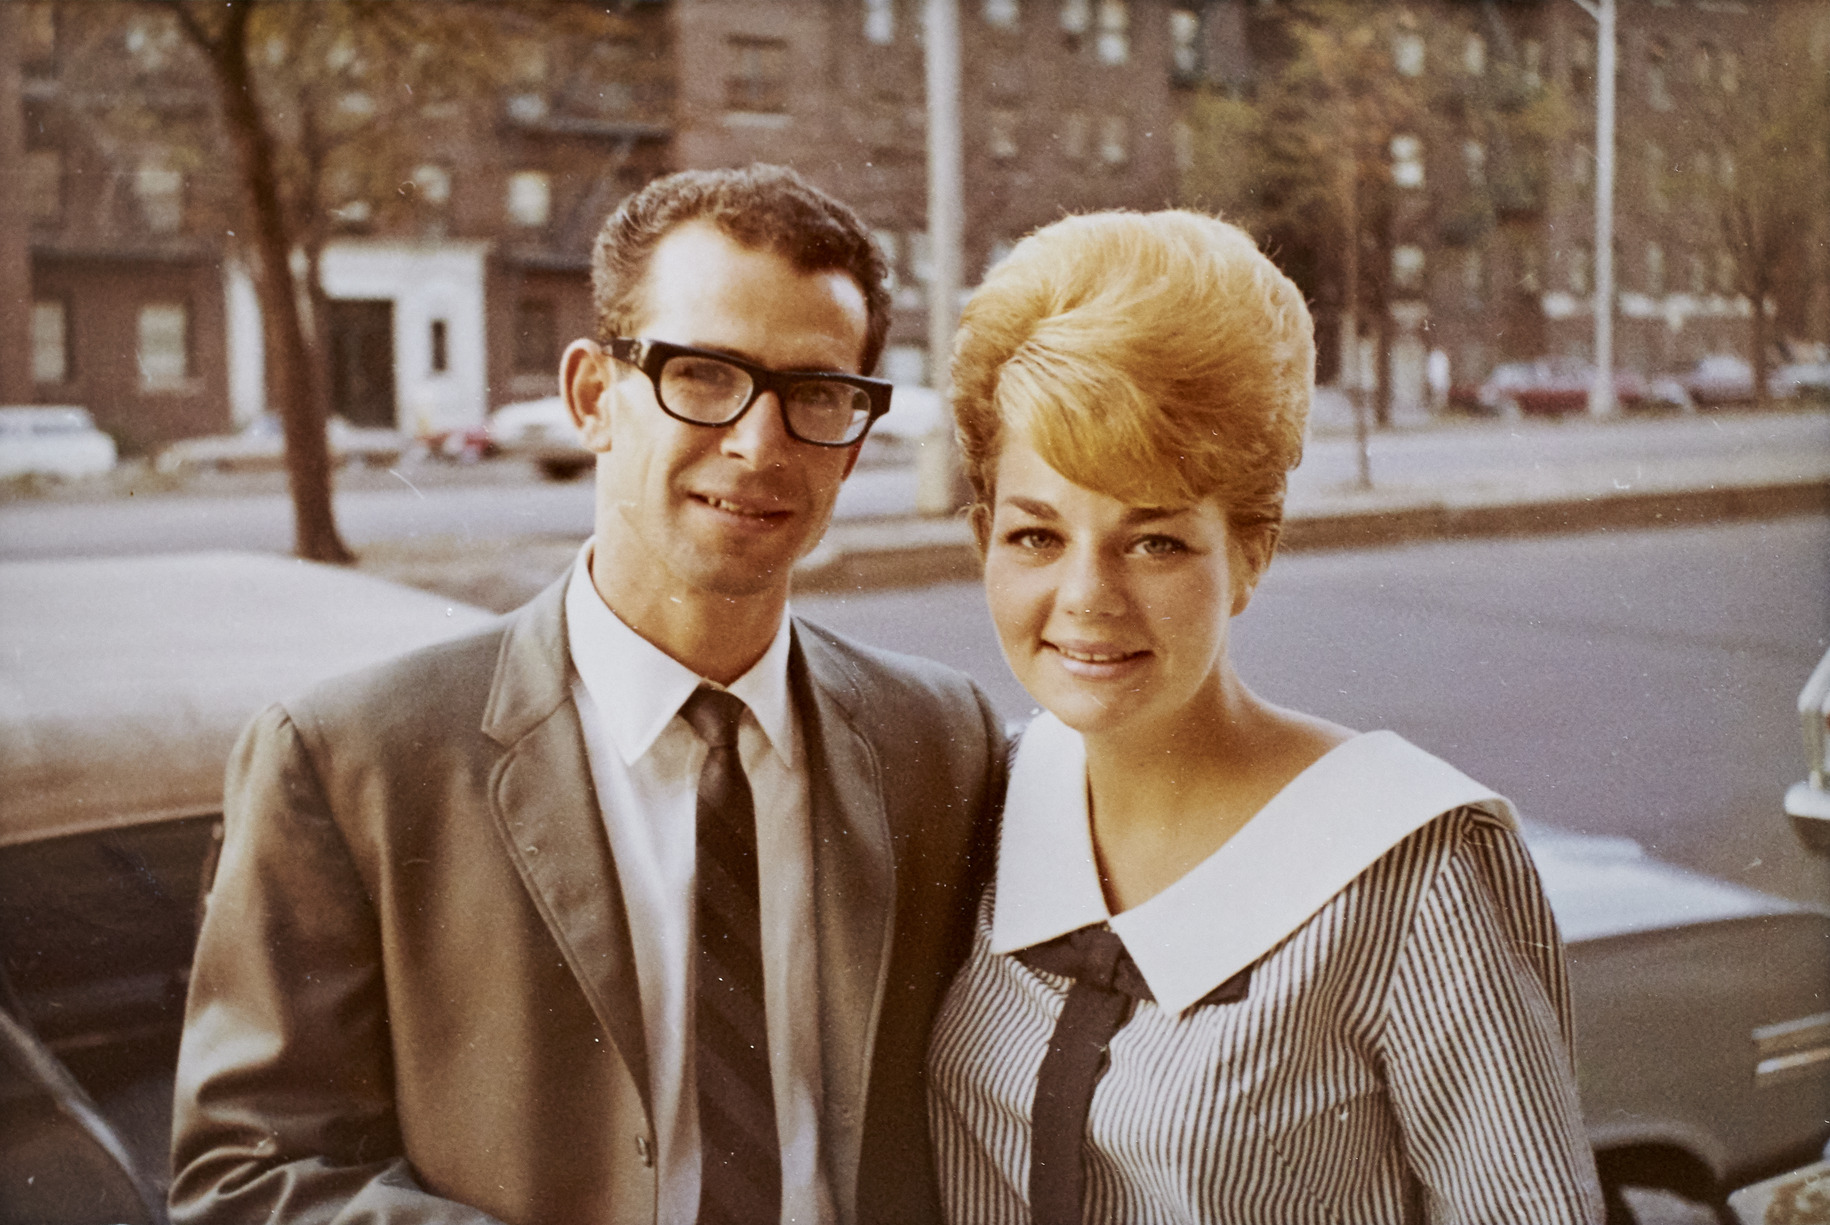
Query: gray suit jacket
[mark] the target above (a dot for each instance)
(415, 995)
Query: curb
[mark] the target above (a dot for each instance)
(869, 555)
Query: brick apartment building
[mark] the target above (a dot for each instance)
(462, 298)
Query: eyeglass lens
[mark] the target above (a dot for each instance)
(711, 392)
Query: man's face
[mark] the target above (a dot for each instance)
(689, 510)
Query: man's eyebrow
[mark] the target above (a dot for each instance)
(750, 359)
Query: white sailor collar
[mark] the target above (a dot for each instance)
(1328, 825)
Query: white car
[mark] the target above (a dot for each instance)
(542, 431)
(261, 443)
(52, 440)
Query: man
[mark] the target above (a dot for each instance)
(638, 906)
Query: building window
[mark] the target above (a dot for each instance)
(1474, 56)
(1407, 266)
(1658, 87)
(1582, 67)
(1730, 78)
(1408, 53)
(1725, 169)
(536, 336)
(1530, 267)
(1407, 161)
(152, 40)
(1474, 274)
(757, 77)
(1581, 165)
(1114, 140)
(1658, 192)
(1703, 66)
(160, 193)
(44, 184)
(1001, 13)
(433, 184)
(1001, 134)
(1114, 43)
(879, 21)
(1581, 264)
(38, 34)
(1074, 137)
(50, 342)
(441, 347)
(1699, 273)
(164, 348)
(1727, 274)
(530, 198)
(1474, 162)
(1076, 16)
(1655, 269)
(1531, 63)
(1185, 43)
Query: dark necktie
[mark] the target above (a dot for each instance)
(1106, 981)
(740, 1155)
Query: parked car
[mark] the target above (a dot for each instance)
(542, 431)
(52, 440)
(1554, 387)
(125, 683)
(1703, 1041)
(261, 443)
(1808, 381)
(896, 437)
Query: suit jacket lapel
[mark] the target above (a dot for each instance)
(854, 890)
(545, 808)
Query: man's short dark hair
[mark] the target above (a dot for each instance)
(769, 208)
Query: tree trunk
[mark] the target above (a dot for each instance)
(293, 381)
(1350, 320)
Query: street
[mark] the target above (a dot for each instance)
(1633, 683)
(502, 499)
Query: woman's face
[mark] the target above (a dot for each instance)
(1113, 615)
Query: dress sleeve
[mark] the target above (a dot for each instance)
(285, 1108)
(1476, 1040)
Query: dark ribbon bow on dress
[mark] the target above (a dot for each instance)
(1106, 983)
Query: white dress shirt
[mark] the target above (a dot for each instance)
(1401, 1053)
(645, 763)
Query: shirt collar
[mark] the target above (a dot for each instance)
(637, 687)
(1328, 825)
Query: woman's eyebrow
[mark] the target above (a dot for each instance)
(1031, 507)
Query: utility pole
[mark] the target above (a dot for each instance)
(1601, 393)
(937, 467)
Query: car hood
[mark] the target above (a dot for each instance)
(125, 681)
(1602, 887)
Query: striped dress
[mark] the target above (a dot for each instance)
(1402, 1053)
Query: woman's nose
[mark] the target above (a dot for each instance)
(1090, 585)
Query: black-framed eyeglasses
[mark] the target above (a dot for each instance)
(701, 387)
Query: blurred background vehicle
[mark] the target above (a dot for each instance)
(52, 440)
(130, 681)
(1554, 387)
(541, 431)
(1804, 381)
(261, 444)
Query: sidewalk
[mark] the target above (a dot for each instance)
(1450, 480)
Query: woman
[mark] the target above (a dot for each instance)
(1238, 964)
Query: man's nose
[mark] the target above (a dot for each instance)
(761, 435)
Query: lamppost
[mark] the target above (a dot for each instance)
(937, 469)
(1601, 392)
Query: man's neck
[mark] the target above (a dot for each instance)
(720, 637)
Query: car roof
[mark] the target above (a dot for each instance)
(125, 681)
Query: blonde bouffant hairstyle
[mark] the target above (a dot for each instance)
(1158, 358)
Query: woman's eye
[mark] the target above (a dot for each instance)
(1160, 546)
(1030, 538)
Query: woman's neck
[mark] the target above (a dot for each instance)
(1165, 799)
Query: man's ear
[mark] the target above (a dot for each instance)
(585, 377)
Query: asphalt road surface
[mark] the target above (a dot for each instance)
(1631, 683)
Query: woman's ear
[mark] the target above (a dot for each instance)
(585, 383)
(1247, 562)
